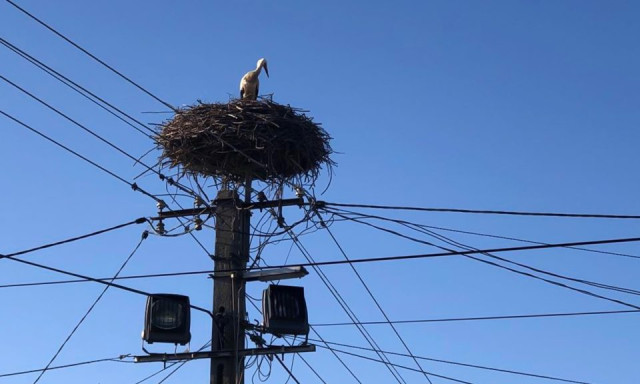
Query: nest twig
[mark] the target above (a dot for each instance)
(261, 140)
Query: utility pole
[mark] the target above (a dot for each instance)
(229, 308)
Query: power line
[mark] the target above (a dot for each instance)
(133, 186)
(482, 318)
(298, 354)
(148, 276)
(112, 359)
(171, 365)
(373, 297)
(395, 365)
(432, 227)
(556, 275)
(467, 365)
(564, 277)
(459, 253)
(469, 250)
(286, 369)
(426, 230)
(79, 89)
(88, 278)
(191, 273)
(346, 308)
(94, 134)
(372, 259)
(490, 212)
(92, 56)
(72, 239)
(145, 234)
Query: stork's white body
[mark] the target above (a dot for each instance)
(250, 84)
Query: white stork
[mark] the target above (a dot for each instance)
(250, 84)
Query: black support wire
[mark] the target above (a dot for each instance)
(72, 239)
(542, 271)
(424, 230)
(481, 318)
(288, 231)
(93, 279)
(432, 227)
(180, 364)
(352, 316)
(523, 240)
(489, 212)
(396, 365)
(366, 286)
(97, 100)
(461, 253)
(117, 359)
(133, 186)
(286, 369)
(145, 234)
(467, 253)
(355, 261)
(91, 55)
(299, 354)
(510, 371)
(102, 139)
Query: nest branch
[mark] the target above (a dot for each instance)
(242, 139)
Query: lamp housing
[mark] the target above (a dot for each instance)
(285, 310)
(167, 319)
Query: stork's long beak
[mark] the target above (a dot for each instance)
(266, 70)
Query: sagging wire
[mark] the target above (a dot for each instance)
(144, 236)
(394, 372)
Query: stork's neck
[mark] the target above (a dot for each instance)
(258, 69)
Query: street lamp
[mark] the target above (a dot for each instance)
(285, 310)
(167, 319)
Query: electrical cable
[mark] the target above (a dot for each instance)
(251, 301)
(431, 227)
(334, 292)
(504, 317)
(488, 253)
(207, 344)
(107, 142)
(88, 278)
(79, 89)
(422, 229)
(468, 365)
(91, 55)
(459, 253)
(133, 186)
(145, 234)
(367, 260)
(112, 359)
(491, 212)
(373, 297)
(190, 232)
(396, 365)
(72, 239)
(545, 272)
(287, 369)
(427, 230)
(332, 324)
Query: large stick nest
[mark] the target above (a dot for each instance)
(261, 139)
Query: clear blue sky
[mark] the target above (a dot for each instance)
(506, 105)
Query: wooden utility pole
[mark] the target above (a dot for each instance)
(231, 253)
(229, 308)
